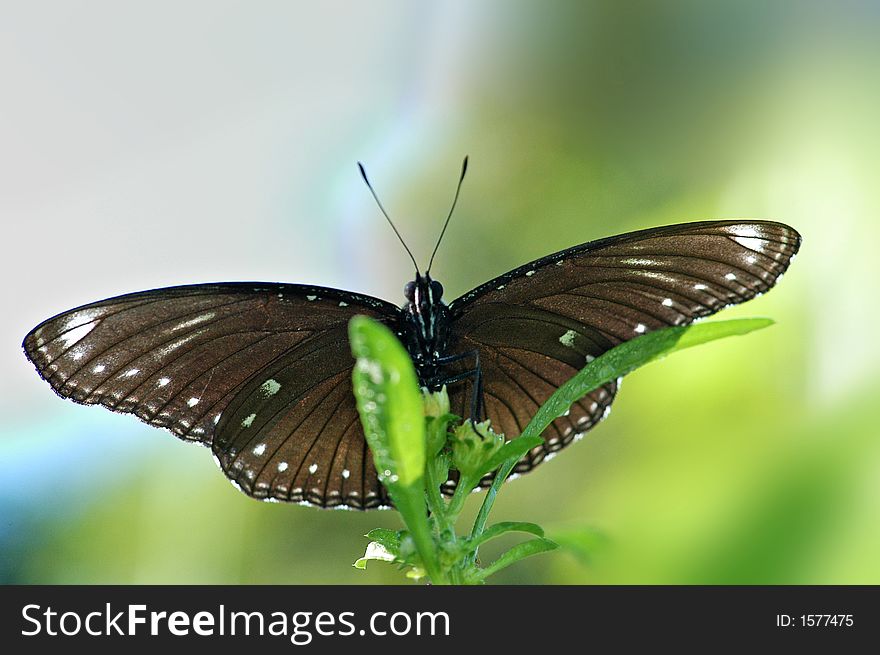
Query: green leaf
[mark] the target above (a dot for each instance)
(515, 554)
(630, 355)
(387, 391)
(375, 552)
(513, 449)
(390, 406)
(504, 527)
(389, 539)
(617, 362)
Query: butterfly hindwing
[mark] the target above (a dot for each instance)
(525, 355)
(292, 432)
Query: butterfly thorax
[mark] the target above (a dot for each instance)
(424, 325)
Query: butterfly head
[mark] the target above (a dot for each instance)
(425, 315)
(423, 292)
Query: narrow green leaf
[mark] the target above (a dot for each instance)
(617, 362)
(630, 355)
(513, 449)
(504, 527)
(515, 554)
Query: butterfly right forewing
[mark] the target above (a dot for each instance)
(537, 325)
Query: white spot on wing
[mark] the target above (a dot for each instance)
(639, 261)
(270, 387)
(194, 321)
(640, 328)
(310, 298)
(177, 344)
(282, 467)
(98, 369)
(667, 302)
(192, 402)
(342, 303)
(530, 273)
(730, 276)
(72, 336)
(131, 372)
(313, 468)
(655, 275)
(346, 473)
(246, 423)
(163, 381)
(748, 237)
(567, 339)
(259, 449)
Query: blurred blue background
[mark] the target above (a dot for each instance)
(162, 143)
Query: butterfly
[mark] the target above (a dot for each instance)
(261, 372)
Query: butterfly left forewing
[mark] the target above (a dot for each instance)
(175, 357)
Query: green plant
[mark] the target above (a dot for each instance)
(416, 441)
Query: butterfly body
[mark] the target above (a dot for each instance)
(424, 326)
(261, 372)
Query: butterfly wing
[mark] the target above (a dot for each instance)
(526, 353)
(292, 432)
(179, 357)
(539, 324)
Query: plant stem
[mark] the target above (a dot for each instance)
(489, 500)
(462, 490)
(436, 505)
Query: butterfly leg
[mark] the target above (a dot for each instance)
(475, 374)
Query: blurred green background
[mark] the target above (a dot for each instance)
(151, 144)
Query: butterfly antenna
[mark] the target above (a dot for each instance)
(451, 209)
(379, 202)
